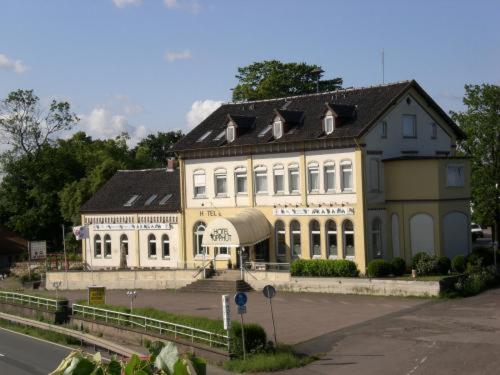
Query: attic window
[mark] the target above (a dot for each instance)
(204, 136)
(132, 200)
(264, 131)
(220, 135)
(150, 199)
(329, 124)
(165, 199)
(277, 129)
(230, 134)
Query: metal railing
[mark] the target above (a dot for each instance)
(213, 339)
(267, 266)
(32, 301)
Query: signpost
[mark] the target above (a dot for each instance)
(269, 292)
(97, 295)
(240, 299)
(226, 316)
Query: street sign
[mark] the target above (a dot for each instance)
(240, 299)
(242, 309)
(269, 291)
(97, 295)
(38, 250)
(226, 312)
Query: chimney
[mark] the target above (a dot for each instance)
(171, 164)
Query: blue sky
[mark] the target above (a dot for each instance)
(150, 65)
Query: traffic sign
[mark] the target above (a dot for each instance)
(226, 312)
(242, 309)
(240, 299)
(269, 291)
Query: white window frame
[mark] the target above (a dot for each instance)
(413, 134)
(199, 230)
(230, 134)
(329, 124)
(312, 234)
(106, 242)
(329, 168)
(313, 172)
(292, 242)
(346, 166)
(328, 233)
(261, 172)
(124, 240)
(278, 172)
(220, 174)
(196, 194)
(165, 239)
(150, 242)
(344, 234)
(277, 233)
(277, 129)
(222, 252)
(457, 180)
(98, 240)
(240, 173)
(293, 170)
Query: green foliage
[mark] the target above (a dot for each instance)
(398, 266)
(255, 339)
(274, 79)
(154, 150)
(476, 279)
(416, 258)
(379, 268)
(458, 264)
(324, 268)
(426, 264)
(481, 256)
(34, 277)
(443, 265)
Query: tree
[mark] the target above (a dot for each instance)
(154, 150)
(274, 79)
(27, 127)
(481, 123)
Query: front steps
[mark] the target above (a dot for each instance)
(225, 282)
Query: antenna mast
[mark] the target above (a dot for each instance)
(383, 67)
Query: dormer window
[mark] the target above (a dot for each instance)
(329, 124)
(277, 129)
(230, 134)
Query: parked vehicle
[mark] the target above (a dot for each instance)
(476, 231)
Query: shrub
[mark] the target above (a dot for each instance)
(416, 258)
(458, 264)
(481, 256)
(443, 265)
(297, 267)
(379, 268)
(255, 339)
(324, 268)
(345, 268)
(34, 277)
(398, 266)
(426, 264)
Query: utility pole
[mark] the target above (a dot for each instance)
(64, 249)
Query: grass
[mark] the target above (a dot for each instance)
(282, 359)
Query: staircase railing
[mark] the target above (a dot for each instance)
(203, 268)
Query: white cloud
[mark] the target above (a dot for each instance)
(10, 64)
(200, 110)
(181, 55)
(124, 3)
(192, 6)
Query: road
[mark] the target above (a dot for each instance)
(24, 355)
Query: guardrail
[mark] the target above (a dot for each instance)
(267, 266)
(29, 300)
(213, 339)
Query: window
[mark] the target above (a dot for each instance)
(409, 126)
(264, 131)
(377, 238)
(295, 239)
(240, 175)
(132, 200)
(279, 228)
(315, 235)
(199, 229)
(383, 129)
(331, 239)
(124, 244)
(329, 176)
(293, 178)
(230, 134)
(222, 250)
(329, 124)
(348, 230)
(107, 246)
(204, 136)
(152, 246)
(454, 175)
(150, 199)
(220, 182)
(260, 180)
(220, 135)
(165, 199)
(279, 179)
(277, 129)
(374, 175)
(313, 177)
(199, 184)
(346, 175)
(165, 246)
(433, 130)
(97, 246)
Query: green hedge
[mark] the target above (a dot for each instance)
(398, 266)
(255, 339)
(458, 264)
(427, 265)
(379, 268)
(324, 268)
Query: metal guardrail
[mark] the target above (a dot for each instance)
(149, 324)
(29, 300)
(267, 266)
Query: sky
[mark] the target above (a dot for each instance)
(144, 66)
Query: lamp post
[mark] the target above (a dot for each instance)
(56, 285)
(132, 295)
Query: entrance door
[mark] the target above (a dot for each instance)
(262, 251)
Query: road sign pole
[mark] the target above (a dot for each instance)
(243, 338)
(274, 327)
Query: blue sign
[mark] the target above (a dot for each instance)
(240, 299)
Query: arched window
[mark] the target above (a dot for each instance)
(165, 246)
(220, 176)
(199, 183)
(377, 237)
(346, 175)
(329, 176)
(315, 235)
(422, 233)
(329, 123)
(293, 179)
(313, 177)
(348, 232)
(260, 179)
(279, 179)
(107, 246)
(279, 228)
(97, 246)
(295, 238)
(240, 175)
(331, 239)
(152, 246)
(124, 243)
(199, 229)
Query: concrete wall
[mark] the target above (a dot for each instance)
(143, 279)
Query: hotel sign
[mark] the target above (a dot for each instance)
(220, 235)
(318, 211)
(144, 226)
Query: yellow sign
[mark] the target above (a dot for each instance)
(97, 295)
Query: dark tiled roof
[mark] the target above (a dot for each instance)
(146, 183)
(359, 108)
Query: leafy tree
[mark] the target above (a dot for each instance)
(273, 79)
(481, 122)
(154, 150)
